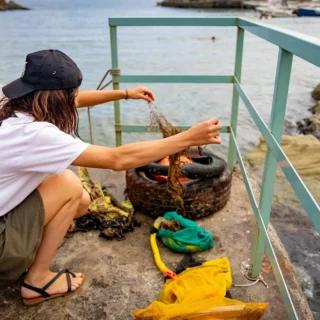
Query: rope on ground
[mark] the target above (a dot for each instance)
(113, 72)
(245, 268)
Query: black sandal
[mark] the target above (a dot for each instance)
(45, 295)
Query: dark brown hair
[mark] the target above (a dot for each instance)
(55, 106)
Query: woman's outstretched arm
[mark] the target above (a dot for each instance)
(95, 97)
(137, 154)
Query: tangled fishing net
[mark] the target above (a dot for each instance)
(105, 213)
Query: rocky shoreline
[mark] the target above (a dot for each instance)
(311, 125)
(291, 222)
(301, 144)
(202, 4)
(11, 5)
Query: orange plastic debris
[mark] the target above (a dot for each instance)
(165, 162)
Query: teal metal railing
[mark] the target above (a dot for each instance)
(289, 43)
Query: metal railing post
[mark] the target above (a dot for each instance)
(235, 96)
(270, 166)
(289, 43)
(114, 63)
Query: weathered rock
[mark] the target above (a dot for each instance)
(316, 108)
(310, 124)
(316, 92)
(314, 122)
(304, 154)
(316, 134)
(11, 5)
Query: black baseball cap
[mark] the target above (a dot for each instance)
(45, 70)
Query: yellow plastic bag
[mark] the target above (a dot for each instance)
(198, 294)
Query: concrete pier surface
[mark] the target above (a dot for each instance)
(121, 275)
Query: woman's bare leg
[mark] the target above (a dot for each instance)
(83, 206)
(63, 199)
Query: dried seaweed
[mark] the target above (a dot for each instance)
(174, 186)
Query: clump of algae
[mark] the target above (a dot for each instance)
(174, 186)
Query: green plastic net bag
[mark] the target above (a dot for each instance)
(191, 238)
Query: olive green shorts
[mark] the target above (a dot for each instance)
(20, 236)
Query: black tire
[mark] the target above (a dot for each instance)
(204, 166)
(202, 196)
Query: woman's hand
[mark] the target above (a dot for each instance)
(141, 93)
(204, 133)
(95, 97)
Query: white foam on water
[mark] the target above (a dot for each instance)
(316, 233)
(306, 280)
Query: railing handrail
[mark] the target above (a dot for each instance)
(301, 45)
(289, 43)
(173, 22)
(306, 198)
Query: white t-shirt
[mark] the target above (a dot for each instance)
(30, 150)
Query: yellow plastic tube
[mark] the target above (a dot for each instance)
(156, 254)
